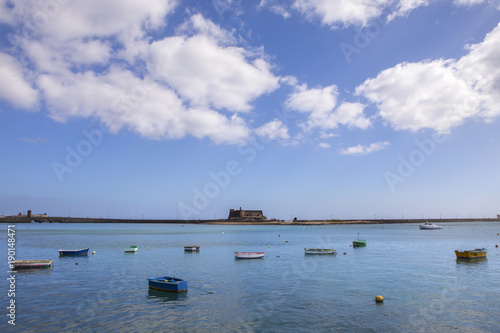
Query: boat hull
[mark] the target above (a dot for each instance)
(131, 249)
(168, 283)
(249, 255)
(471, 254)
(26, 264)
(320, 251)
(82, 252)
(430, 226)
(192, 248)
(358, 243)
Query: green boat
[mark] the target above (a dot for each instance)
(131, 249)
(359, 242)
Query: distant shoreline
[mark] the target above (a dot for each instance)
(25, 219)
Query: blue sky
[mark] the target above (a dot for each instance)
(302, 108)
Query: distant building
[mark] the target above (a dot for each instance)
(251, 215)
(498, 216)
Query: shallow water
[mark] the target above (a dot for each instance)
(425, 288)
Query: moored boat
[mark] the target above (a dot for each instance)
(320, 251)
(471, 254)
(249, 255)
(359, 242)
(82, 252)
(430, 226)
(23, 264)
(131, 249)
(168, 283)
(192, 248)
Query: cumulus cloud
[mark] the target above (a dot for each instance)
(83, 62)
(346, 12)
(320, 103)
(439, 94)
(364, 150)
(14, 87)
(273, 130)
(207, 74)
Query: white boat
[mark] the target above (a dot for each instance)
(192, 248)
(32, 263)
(320, 251)
(249, 255)
(430, 226)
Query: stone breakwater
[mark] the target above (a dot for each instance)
(25, 219)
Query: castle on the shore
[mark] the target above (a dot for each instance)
(248, 215)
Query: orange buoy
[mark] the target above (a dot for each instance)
(379, 299)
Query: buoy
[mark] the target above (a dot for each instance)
(269, 246)
(93, 252)
(345, 253)
(498, 234)
(223, 232)
(279, 235)
(496, 245)
(379, 299)
(76, 263)
(147, 248)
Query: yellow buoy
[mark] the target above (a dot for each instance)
(93, 252)
(269, 246)
(379, 299)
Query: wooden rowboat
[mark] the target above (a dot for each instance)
(82, 252)
(320, 251)
(168, 283)
(20, 264)
(471, 254)
(249, 255)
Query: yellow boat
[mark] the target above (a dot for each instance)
(471, 254)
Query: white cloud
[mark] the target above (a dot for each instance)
(480, 68)
(320, 103)
(315, 100)
(120, 99)
(207, 74)
(14, 87)
(324, 145)
(193, 77)
(364, 150)
(412, 96)
(273, 130)
(440, 94)
(346, 12)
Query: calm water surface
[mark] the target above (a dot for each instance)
(425, 288)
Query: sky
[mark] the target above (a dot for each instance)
(314, 109)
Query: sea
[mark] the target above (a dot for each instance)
(424, 286)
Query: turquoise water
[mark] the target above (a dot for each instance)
(425, 288)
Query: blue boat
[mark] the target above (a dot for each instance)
(168, 283)
(82, 252)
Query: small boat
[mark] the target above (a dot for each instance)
(131, 249)
(320, 251)
(249, 255)
(359, 242)
(19, 264)
(168, 283)
(471, 254)
(192, 248)
(429, 226)
(82, 252)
